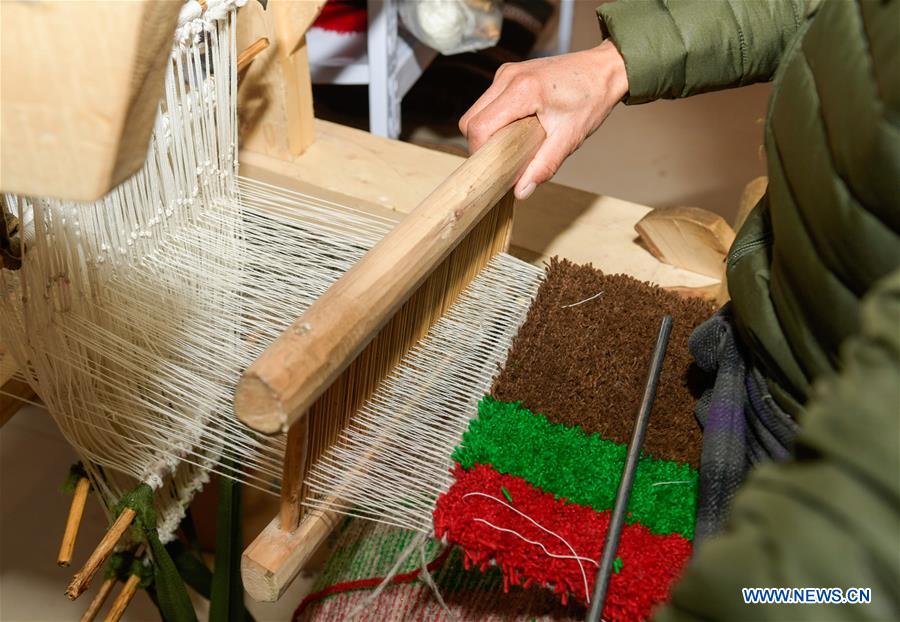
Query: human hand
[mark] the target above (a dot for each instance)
(571, 95)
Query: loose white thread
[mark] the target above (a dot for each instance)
(581, 302)
(542, 528)
(673, 482)
(425, 576)
(548, 553)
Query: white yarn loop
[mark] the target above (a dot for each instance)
(193, 20)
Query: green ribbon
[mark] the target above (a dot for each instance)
(173, 601)
(176, 565)
(226, 603)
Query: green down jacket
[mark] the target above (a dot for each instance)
(814, 276)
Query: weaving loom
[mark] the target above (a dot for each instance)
(156, 299)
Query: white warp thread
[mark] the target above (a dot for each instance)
(394, 459)
(133, 316)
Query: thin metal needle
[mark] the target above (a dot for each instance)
(611, 544)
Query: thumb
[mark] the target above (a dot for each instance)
(549, 157)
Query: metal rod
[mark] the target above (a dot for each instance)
(611, 545)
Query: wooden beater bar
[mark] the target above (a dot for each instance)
(276, 392)
(296, 369)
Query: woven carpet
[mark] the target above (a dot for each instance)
(538, 469)
(536, 474)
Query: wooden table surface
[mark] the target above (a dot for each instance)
(392, 175)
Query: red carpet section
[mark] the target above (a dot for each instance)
(537, 471)
(538, 538)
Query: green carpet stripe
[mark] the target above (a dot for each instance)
(583, 468)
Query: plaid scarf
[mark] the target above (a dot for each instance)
(742, 424)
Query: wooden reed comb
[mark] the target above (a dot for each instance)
(330, 360)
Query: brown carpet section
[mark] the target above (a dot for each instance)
(586, 364)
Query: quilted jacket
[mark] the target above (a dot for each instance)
(814, 276)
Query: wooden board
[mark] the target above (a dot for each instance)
(81, 82)
(11, 388)
(556, 220)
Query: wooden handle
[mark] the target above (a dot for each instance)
(288, 377)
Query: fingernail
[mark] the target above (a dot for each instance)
(527, 191)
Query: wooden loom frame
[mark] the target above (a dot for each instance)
(284, 145)
(277, 390)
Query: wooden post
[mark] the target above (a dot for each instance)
(275, 94)
(83, 577)
(76, 511)
(276, 556)
(85, 77)
(97, 603)
(297, 368)
(293, 473)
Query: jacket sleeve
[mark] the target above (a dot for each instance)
(677, 48)
(831, 516)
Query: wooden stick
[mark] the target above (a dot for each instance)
(297, 368)
(276, 556)
(120, 604)
(123, 599)
(83, 577)
(253, 50)
(97, 603)
(293, 473)
(73, 522)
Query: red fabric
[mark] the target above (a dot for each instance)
(651, 562)
(343, 16)
(367, 584)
